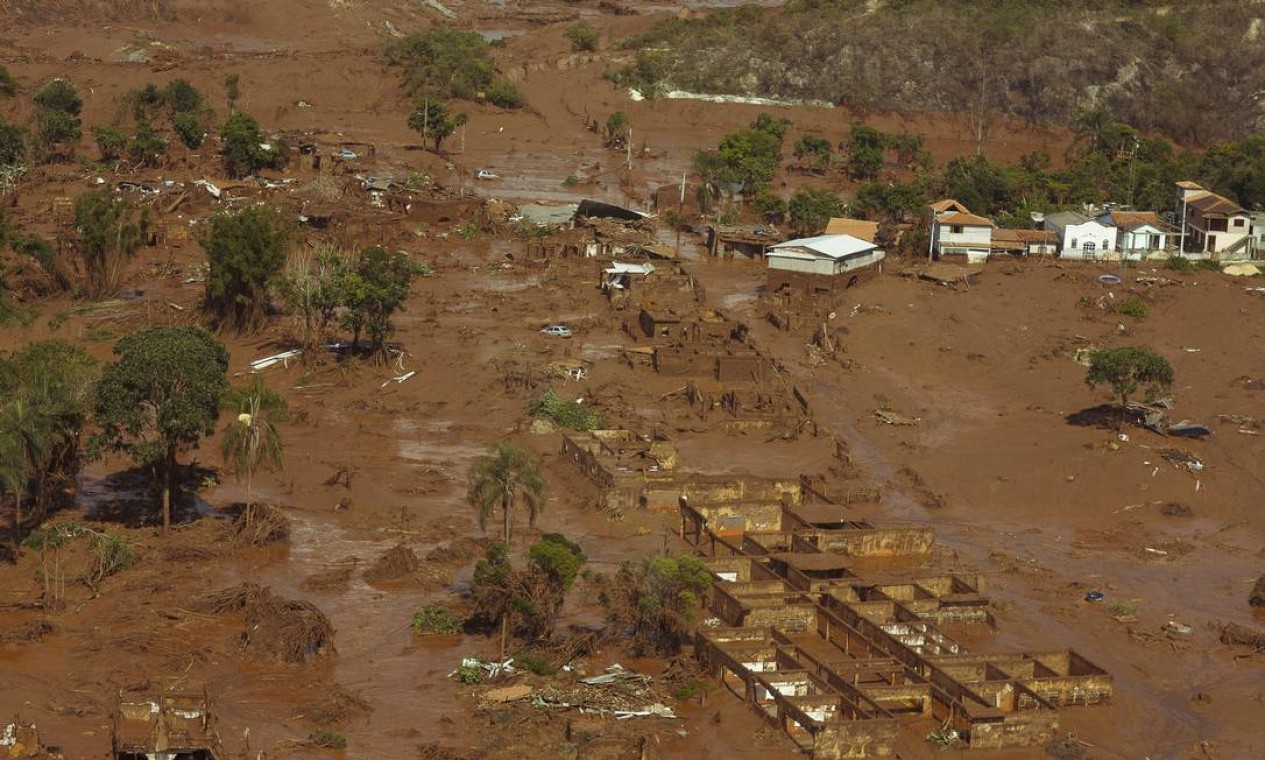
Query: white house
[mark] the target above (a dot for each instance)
(1081, 236)
(1141, 234)
(1214, 226)
(821, 264)
(955, 231)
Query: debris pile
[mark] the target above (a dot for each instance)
(276, 629)
(397, 563)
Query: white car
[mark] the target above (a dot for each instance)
(557, 331)
(485, 174)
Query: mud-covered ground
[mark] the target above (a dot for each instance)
(1001, 464)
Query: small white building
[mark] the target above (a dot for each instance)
(1081, 236)
(1141, 234)
(821, 264)
(955, 231)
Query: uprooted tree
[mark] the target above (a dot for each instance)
(524, 601)
(160, 398)
(1128, 369)
(653, 601)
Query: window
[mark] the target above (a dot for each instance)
(1106, 244)
(1073, 245)
(1155, 242)
(1238, 222)
(1088, 249)
(956, 229)
(1216, 225)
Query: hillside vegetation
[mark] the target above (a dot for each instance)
(1191, 71)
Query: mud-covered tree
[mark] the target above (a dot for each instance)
(160, 398)
(653, 601)
(111, 230)
(524, 602)
(434, 122)
(147, 147)
(232, 90)
(618, 127)
(57, 116)
(375, 290)
(811, 209)
(508, 476)
(48, 389)
(246, 251)
(1128, 369)
(244, 152)
(110, 142)
(8, 86)
(12, 144)
(251, 441)
(583, 37)
(814, 153)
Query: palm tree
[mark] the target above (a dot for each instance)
(24, 444)
(499, 479)
(251, 440)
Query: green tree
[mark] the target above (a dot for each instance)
(160, 398)
(244, 151)
(434, 122)
(110, 142)
(502, 479)
(246, 251)
(814, 152)
(526, 601)
(1127, 369)
(182, 97)
(446, 63)
(315, 285)
(232, 88)
(147, 147)
(12, 144)
(49, 386)
(55, 128)
(24, 443)
(111, 231)
(811, 209)
(59, 95)
(583, 37)
(865, 152)
(653, 601)
(251, 441)
(377, 288)
(189, 129)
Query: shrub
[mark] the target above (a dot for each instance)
(1177, 263)
(1133, 306)
(534, 662)
(583, 37)
(434, 619)
(326, 739)
(504, 94)
(567, 414)
(188, 129)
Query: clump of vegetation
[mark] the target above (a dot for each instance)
(451, 64)
(246, 251)
(245, 150)
(653, 602)
(1133, 306)
(524, 602)
(111, 231)
(57, 124)
(434, 122)
(583, 37)
(531, 661)
(326, 739)
(568, 414)
(435, 619)
(811, 209)
(1122, 609)
(501, 479)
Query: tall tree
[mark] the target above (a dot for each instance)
(1127, 369)
(811, 209)
(251, 441)
(377, 289)
(244, 148)
(160, 398)
(246, 251)
(24, 443)
(501, 480)
(434, 122)
(111, 231)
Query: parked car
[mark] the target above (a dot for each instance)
(557, 331)
(486, 174)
